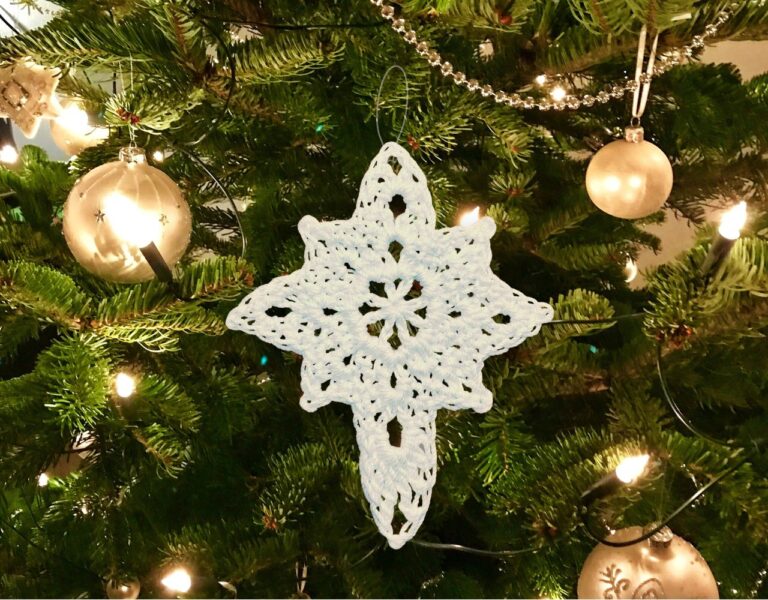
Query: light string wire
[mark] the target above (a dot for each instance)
(571, 101)
(8, 23)
(677, 411)
(476, 551)
(650, 533)
(585, 509)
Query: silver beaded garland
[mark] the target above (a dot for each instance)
(617, 90)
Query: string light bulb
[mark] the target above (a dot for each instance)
(158, 156)
(470, 217)
(541, 79)
(72, 131)
(125, 385)
(558, 93)
(130, 222)
(632, 467)
(178, 580)
(8, 155)
(733, 221)
(43, 479)
(627, 471)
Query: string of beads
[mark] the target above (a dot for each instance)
(615, 90)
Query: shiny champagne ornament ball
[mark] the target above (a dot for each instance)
(629, 178)
(665, 566)
(120, 207)
(72, 131)
(123, 589)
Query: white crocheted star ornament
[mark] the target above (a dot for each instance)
(394, 318)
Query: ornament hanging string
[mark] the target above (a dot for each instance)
(131, 131)
(378, 102)
(643, 81)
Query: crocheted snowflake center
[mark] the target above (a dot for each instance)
(394, 318)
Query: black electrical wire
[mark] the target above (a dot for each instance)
(589, 321)
(8, 24)
(38, 547)
(198, 161)
(678, 411)
(596, 537)
(469, 550)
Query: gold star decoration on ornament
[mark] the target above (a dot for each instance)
(28, 94)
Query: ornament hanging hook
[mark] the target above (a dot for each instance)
(378, 102)
(643, 80)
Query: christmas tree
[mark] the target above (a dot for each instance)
(146, 447)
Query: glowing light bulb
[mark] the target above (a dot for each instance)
(732, 221)
(158, 156)
(73, 118)
(125, 385)
(541, 79)
(558, 93)
(630, 270)
(42, 480)
(178, 580)
(470, 217)
(8, 154)
(629, 469)
(136, 226)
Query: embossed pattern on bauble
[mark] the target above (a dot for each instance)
(665, 566)
(394, 318)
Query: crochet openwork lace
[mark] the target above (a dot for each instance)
(394, 318)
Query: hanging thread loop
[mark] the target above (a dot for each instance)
(378, 102)
(643, 80)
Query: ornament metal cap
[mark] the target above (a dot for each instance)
(133, 154)
(634, 134)
(662, 538)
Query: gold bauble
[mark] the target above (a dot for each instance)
(120, 207)
(629, 178)
(665, 566)
(72, 132)
(123, 589)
